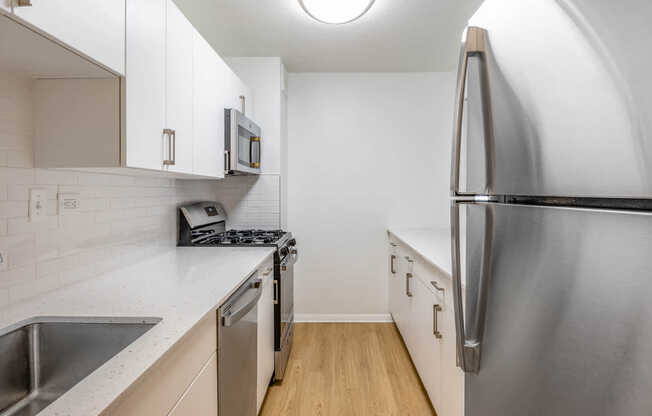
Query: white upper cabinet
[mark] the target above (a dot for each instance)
(210, 80)
(94, 27)
(179, 88)
(146, 144)
(166, 114)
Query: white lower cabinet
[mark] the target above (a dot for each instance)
(426, 347)
(184, 373)
(424, 316)
(265, 332)
(201, 396)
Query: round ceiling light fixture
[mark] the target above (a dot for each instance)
(336, 12)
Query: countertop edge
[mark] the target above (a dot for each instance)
(106, 411)
(425, 257)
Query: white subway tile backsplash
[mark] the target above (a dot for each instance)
(251, 201)
(121, 219)
(17, 176)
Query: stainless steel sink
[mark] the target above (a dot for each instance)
(42, 358)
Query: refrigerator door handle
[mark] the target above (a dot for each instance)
(469, 347)
(474, 45)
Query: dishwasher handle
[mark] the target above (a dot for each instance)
(243, 304)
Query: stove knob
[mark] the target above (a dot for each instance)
(284, 251)
(292, 242)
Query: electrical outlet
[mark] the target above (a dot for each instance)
(3, 260)
(68, 202)
(37, 200)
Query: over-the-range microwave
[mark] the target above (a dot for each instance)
(242, 144)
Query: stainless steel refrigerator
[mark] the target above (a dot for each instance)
(551, 208)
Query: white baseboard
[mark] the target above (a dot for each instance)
(311, 317)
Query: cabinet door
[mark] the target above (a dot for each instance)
(426, 346)
(210, 75)
(201, 396)
(404, 300)
(452, 378)
(145, 101)
(265, 334)
(93, 27)
(179, 87)
(394, 278)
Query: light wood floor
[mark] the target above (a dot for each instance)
(348, 369)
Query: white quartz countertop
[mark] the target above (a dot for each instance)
(180, 286)
(433, 244)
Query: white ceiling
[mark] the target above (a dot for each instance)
(394, 36)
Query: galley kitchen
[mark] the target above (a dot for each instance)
(325, 207)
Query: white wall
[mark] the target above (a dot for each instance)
(122, 219)
(366, 151)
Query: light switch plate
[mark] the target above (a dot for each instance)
(37, 200)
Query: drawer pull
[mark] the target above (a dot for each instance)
(408, 292)
(436, 286)
(435, 324)
(392, 264)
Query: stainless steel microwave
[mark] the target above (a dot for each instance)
(242, 144)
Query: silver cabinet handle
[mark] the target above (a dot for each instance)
(275, 292)
(475, 45)
(392, 264)
(436, 286)
(408, 292)
(174, 147)
(172, 144)
(435, 323)
(393, 244)
(243, 104)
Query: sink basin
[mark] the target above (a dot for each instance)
(42, 358)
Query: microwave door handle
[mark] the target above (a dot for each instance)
(254, 140)
(251, 151)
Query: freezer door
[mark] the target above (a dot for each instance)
(562, 315)
(570, 100)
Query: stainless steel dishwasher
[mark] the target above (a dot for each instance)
(237, 350)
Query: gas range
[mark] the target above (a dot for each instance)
(203, 224)
(241, 238)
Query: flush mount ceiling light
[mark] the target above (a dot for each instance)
(336, 11)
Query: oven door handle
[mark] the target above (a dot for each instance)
(240, 308)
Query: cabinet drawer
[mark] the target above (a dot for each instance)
(158, 390)
(201, 396)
